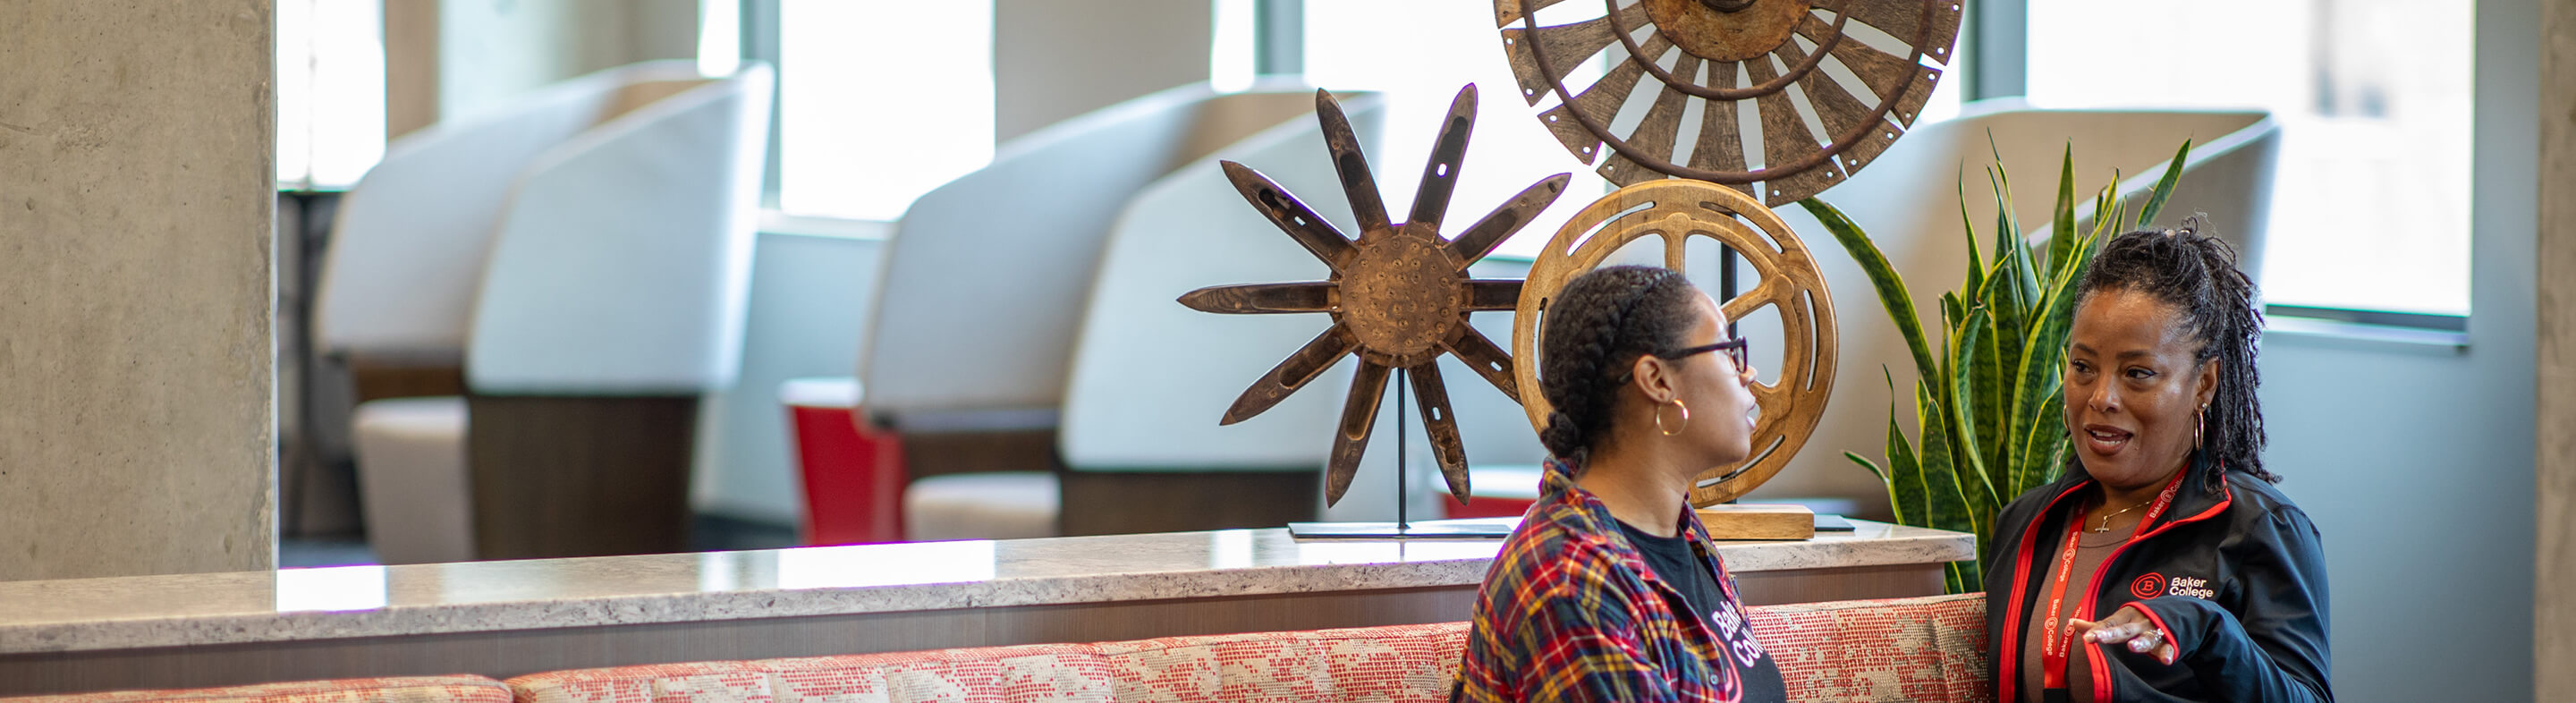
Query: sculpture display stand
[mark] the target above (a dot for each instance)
(1403, 528)
(1745, 521)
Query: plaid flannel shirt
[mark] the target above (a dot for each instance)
(1570, 611)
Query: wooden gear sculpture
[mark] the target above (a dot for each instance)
(1675, 211)
(1398, 295)
(1722, 54)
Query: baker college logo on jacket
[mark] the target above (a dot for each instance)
(2154, 584)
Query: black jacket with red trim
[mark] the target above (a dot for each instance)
(2237, 577)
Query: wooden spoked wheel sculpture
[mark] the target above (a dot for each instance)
(1863, 88)
(1788, 281)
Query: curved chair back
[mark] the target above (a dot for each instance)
(409, 241)
(622, 263)
(981, 289)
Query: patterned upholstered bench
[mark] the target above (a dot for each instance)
(1913, 649)
(407, 689)
(1899, 649)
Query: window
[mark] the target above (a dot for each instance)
(1418, 54)
(2370, 199)
(330, 92)
(856, 78)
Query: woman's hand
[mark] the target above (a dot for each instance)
(2128, 624)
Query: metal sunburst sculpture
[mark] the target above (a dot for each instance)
(1399, 294)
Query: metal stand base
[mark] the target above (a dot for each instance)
(1435, 529)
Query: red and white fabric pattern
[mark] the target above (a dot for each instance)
(1900, 649)
(1044, 672)
(402, 689)
(1393, 663)
(1907, 649)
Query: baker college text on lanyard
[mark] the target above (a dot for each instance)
(2059, 642)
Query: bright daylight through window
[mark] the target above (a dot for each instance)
(846, 149)
(330, 92)
(2370, 204)
(1418, 54)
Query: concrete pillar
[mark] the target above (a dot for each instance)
(2554, 561)
(136, 165)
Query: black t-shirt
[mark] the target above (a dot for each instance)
(1678, 564)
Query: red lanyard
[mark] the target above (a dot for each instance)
(2056, 643)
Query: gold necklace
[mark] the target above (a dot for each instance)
(2106, 519)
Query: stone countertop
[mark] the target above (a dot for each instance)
(374, 601)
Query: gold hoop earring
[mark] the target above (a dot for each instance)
(2200, 423)
(1659, 418)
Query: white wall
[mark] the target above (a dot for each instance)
(2416, 462)
(1054, 59)
(492, 51)
(809, 295)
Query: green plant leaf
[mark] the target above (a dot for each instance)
(2037, 405)
(2106, 211)
(1882, 276)
(1953, 315)
(1950, 507)
(2025, 273)
(1867, 464)
(2007, 226)
(2061, 234)
(2164, 186)
(1960, 393)
(1964, 577)
(1905, 486)
(1983, 407)
(1973, 433)
(1968, 227)
(2042, 445)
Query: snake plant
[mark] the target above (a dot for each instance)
(1988, 403)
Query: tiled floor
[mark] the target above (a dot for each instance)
(710, 533)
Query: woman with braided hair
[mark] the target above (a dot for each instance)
(2194, 579)
(1609, 590)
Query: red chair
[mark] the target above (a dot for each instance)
(854, 476)
(1500, 490)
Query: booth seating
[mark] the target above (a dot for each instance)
(1921, 650)
(401, 689)
(980, 297)
(1924, 650)
(574, 267)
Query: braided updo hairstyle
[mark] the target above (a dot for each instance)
(2196, 274)
(1595, 329)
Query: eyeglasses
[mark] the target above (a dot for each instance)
(1736, 350)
